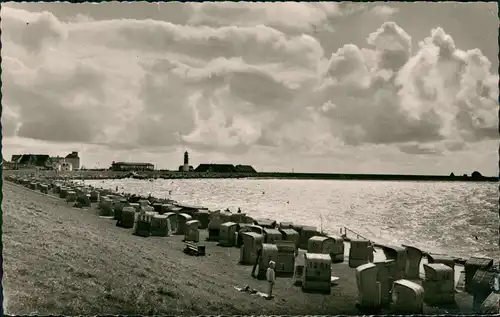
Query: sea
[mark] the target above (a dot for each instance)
(454, 218)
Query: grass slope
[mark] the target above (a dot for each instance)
(63, 260)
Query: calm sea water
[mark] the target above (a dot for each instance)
(434, 216)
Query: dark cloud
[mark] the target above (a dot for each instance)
(57, 107)
(58, 126)
(260, 90)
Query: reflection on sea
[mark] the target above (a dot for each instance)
(434, 216)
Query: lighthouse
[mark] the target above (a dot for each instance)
(185, 167)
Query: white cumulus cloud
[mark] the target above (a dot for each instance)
(242, 77)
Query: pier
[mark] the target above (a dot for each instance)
(159, 174)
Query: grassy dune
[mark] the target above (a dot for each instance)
(63, 260)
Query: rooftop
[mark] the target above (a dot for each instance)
(133, 163)
(72, 155)
(34, 159)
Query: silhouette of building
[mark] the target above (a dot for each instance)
(56, 161)
(128, 166)
(6, 165)
(185, 167)
(15, 158)
(244, 169)
(45, 161)
(73, 159)
(224, 168)
(181, 168)
(59, 163)
(215, 168)
(31, 160)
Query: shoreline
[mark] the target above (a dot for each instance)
(460, 260)
(119, 258)
(107, 174)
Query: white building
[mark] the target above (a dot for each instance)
(66, 167)
(74, 160)
(62, 166)
(185, 167)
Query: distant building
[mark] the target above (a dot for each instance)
(215, 168)
(127, 166)
(62, 166)
(31, 160)
(56, 162)
(6, 165)
(45, 161)
(185, 167)
(73, 159)
(57, 159)
(244, 169)
(182, 168)
(56, 166)
(66, 167)
(224, 168)
(15, 158)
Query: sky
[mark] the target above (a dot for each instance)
(406, 88)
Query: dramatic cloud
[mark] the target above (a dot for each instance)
(439, 95)
(242, 77)
(34, 32)
(292, 16)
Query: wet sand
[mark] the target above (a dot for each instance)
(64, 260)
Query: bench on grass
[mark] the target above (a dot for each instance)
(194, 249)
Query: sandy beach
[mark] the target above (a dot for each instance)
(64, 260)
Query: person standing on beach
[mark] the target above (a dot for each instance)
(271, 278)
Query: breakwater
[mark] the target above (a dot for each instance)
(375, 177)
(107, 174)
